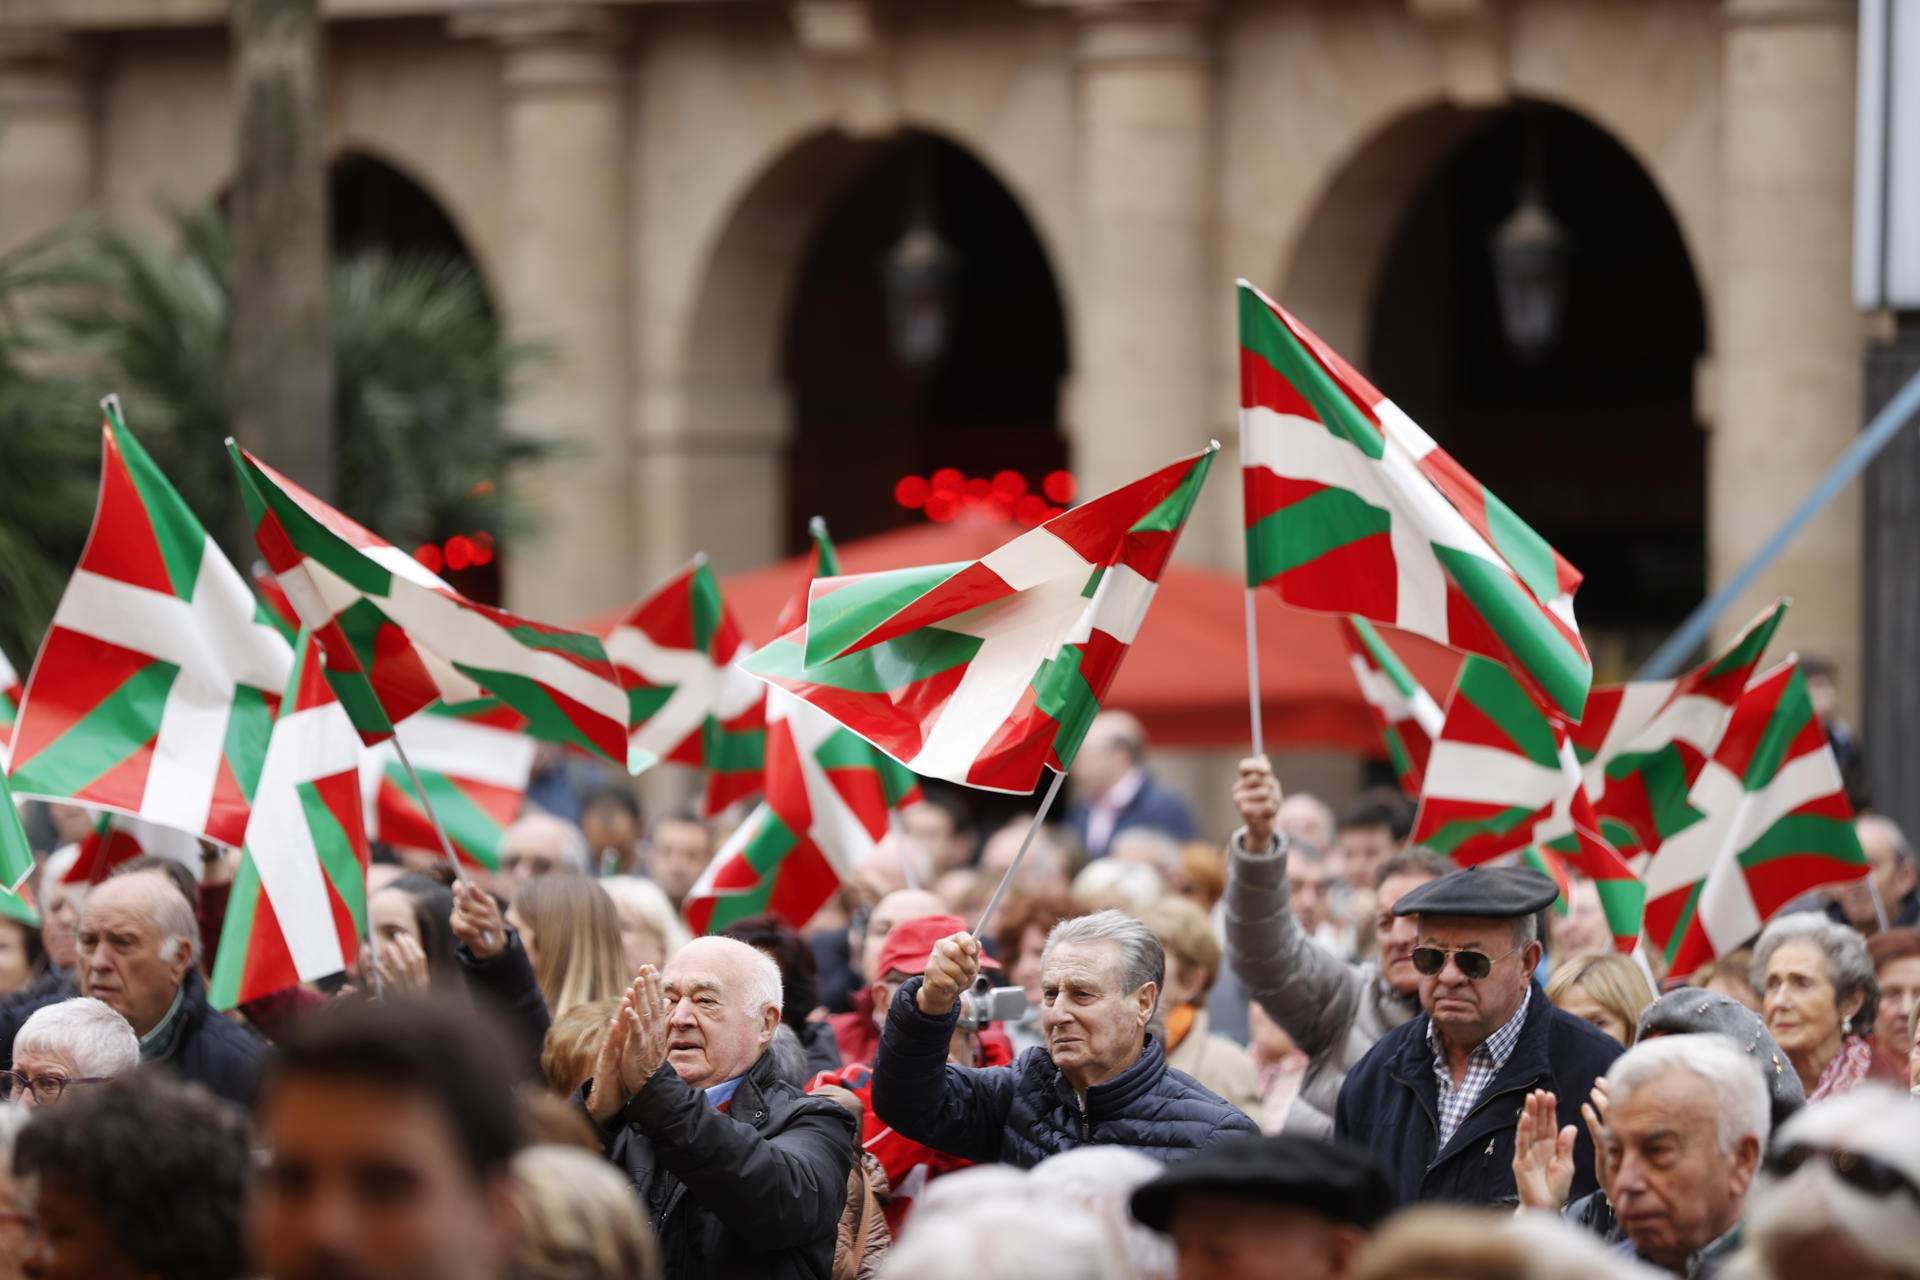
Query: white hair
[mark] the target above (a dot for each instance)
(1133, 883)
(99, 1041)
(1102, 1179)
(545, 828)
(1142, 959)
(1873, 1121)
(58, 864)
(177, 921)
(1003, 1237)
(763, 975)
(1849, 965)
(1742, 1105)
(650, 901)
(1145, 845)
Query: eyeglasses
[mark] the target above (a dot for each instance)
(1475, 965)
(1862, 1173)
(45, 1089)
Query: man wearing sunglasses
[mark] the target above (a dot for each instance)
(1436, 1099)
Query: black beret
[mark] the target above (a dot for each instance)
(1489, 893)
(1331, 1178)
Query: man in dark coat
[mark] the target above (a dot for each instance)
(1437, 1098)
(1100, 1077)
(1113, 790)
(740, 1173)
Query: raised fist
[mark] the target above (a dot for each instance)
(951, 969)
(1256, 794)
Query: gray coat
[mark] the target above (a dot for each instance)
(1334, 1011)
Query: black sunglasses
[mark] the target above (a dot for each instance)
(1474, 965)
(1862, 1173)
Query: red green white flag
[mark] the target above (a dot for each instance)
(1642, 745)
(397, 638)
(10, 691)
(690, 705)
(474, 761)
(117, 838)
(154, 691)
(299, 901)
(829, 802)
(16, 858)
(1352, 508)
(986, 672)
(1408, 717)
(1775, 823)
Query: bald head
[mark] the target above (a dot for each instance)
(1306, 819)
(1115, 745)
(137, 939)
(890, 911)
(538, 845)
(723, 1000)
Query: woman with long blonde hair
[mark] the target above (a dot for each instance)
(572, 934)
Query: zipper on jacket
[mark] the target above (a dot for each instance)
(1086, 1125)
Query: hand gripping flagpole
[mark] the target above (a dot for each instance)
(1253, 677)
(1032, 829)
(446, 845)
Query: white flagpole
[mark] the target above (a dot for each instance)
(446, 845)
(1253, 678)
(1032, 829)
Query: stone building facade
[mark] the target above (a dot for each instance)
(638, 183)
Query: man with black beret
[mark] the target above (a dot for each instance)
(1286, 1207)
(1437, 1098)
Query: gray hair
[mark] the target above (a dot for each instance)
(763, 975)
(13, 1118)
(1102, 1179)
(789, 1056)
(100, 1041)
(1849, 966)
(1902, 850)
(1146, 845)
(1142, 959)
(1871, 1120)
(1003, 1237)
(543, 827)
(1743, 1106)
(1133, 884)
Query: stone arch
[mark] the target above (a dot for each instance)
(428, 218)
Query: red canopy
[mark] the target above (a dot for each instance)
(1186, 676)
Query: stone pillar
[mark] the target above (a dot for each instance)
(568, 246)
(1788, 341)
(46, 134)
(1150, 292)
(1890, 727)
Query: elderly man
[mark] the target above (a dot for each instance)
(1114, 790)
(1436, 1097)
(679, 847)
(1893, 875)
(1334, 1011)
(1281, 1208)
(138, 942)
(741, 1173)
(857, 1032)
(388, 1127)
(1099, 1078)
(539, 845)
(1687, 1117)
(75, 1042)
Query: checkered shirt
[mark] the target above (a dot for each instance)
(1458, 1100)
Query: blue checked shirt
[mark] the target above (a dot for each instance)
(1458, 1100)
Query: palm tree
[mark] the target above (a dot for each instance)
(424, 374)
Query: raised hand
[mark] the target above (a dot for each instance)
(951, 969)
(402, 964)
(606, 1095)
(476, 920)
(1594, 1111)
(1542, 1153)
(645, 1007)
(1257, 796)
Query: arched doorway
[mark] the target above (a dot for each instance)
(375, 206)
(1587, 431)
(924, 332)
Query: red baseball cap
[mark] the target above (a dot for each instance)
(910, 944)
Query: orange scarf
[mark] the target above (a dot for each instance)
(1179, 1022)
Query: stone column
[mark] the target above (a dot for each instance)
(46, 134)
(1890, 723)
(1150, 292)
(1787, 340)
(568, 243)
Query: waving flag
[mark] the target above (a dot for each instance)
(397, 638)
(1352, 508)
(690, 705)
(299, 902)
(16, 857)
(1775, 823)
(1642, 745)
(117, 839)
(155, 688)
(10, 691)
(1408, 717)
(984, 673)
(829, 801)
(474, 761)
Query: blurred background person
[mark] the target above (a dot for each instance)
(1607, 990)
(417, 909)
(1312, 888)
(1480, 1244)
(1112, 885)
(942, 826)
(964, 892)
(573, 1042)
(60, 917)
(1005, 1238)
(579, 1219)
(1373, 829)
(1202, 878)
(679, 847)
(1114, 791)
(14, 1222)
(1279, 1066)
(1103, 1181)
(539, 844)
(1893, 875)
(572, 935)
(1819, 998)
(1047, 868)
(611, 823)
(1896, 967)
(75, 1043)
(1730, 975)
(1193, 960)
(650, 928)
(856, 1032)
(22, 959)
(1307, 819)
(800, 1009)
(1583, 931)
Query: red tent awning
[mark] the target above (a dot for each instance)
(1186, 677)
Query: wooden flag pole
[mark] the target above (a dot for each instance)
(1032, 829)
(446, 845)
(1253, 678)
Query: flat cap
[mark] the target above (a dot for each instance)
(1342, 1182)
(1488, 893)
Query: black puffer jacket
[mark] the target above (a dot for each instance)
(754, 1192)
(1023, 1113)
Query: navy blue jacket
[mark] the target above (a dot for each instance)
(1155, 805)
(1023, 1113)
(1390, 1105)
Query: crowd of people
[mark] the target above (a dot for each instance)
(1303, 1050)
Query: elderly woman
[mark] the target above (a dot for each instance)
(1896, 966)
(1818, 996)
(75, 1042)
(1193, 962)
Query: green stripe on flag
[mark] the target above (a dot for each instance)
(1524, 549)
(1663, 775)
(117, 726)
(1384, 657)
(704, 601)
(764, 851)
(896, 780)
(182, 540)
(16, 860)
(1800, 834)
(733, 750)
(1302, 532)
(845, 749)
(471, 828)
(1683, 923)
(1062, 692)
(336, 852)
(572, 643)
(311, 538)
(236, 936)
(249, 725)
(839, 619)
(1173, 510)
(1456, 833)
(530, 698)
(918, 655)
(1491, 688)
(1561, 671)
(1789, 716)
(1262, 334)
(644, 701)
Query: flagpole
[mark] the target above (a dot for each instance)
(446, 845)
(1032, 829)
(1879, 905)
(1253, 678)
